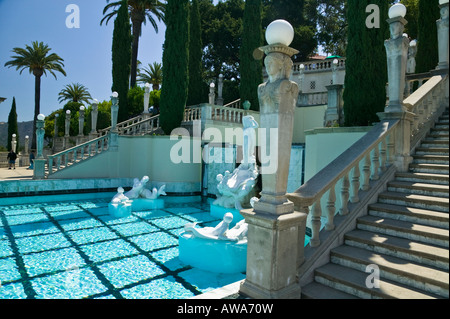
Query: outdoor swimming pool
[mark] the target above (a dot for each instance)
(70, 247)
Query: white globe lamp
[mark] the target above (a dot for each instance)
(397, 10)
(280, 31)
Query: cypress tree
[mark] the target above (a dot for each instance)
(195, 88)
(427, 48)
(366, 67)
(174, 89)
(13, 128)
(251, 68)
(121, 58)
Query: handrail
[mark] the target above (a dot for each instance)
(70, 156)
(141, 126)
(365, 161)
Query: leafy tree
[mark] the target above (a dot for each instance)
(38, 61)
(135, 101)
(151, 74)
(140, 11)
(75, 92)
(196, 85)
(427, 48)
(412, 16)
(121, 59)
(13, 128)
(329, 17)
(251, 68)
(293, 11)
(366, 68)
(175, 62)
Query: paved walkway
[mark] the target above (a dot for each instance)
(15, 174)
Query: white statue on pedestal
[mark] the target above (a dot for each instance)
(139, 190)
(234, 187)
(221, 231)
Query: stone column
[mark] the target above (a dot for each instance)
(220, 91)
(94, 117)
(397, 56)
(334, 68)
(397, 53)
(81, 121)
(275, 231)
(442, 28)
(146, 98)
(39, 161)
(67, 130)
(27, 144)
(114, 134)
(14, 142)
(333, 112)
(212, 95)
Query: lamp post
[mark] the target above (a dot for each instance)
(275, 238)
(333, 113)
(94, 116)
(14, 142)
(81, 121)
(442, 27)
(39, 162)
(212, 95)
(220, 91)
(146, 97)
(397, 55)
(114, 137)
(67, 124)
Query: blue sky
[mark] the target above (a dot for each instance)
(86, 51)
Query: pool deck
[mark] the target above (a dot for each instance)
(20, 173)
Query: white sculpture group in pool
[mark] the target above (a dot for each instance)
(235, 187)
(121, 204)
(221, 231)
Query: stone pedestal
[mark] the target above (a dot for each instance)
(273, 255)
(442, 29)
(333, 113)
(397, 57)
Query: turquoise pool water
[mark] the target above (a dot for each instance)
(72, 248)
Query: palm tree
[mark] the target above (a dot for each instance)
(140, 12)
(151, 74)
(38, 61)
(75, 92)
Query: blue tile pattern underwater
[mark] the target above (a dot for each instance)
(75, 249)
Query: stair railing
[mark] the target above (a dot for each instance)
(358, 173)
(77, 154)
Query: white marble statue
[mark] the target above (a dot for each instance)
(139, 190)
(120, 198)
(235, 187)
(221, 231)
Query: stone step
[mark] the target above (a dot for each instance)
(399, 247)
(404, 229)
(422, 178)
(429, 168)
(353, 282)
(431, 159)
(429, 141)
(315, 290)
(418, 201)
(419, 188)
(443, 136)
(439, 131)
(409, 214)
(418, 276)
(432, 151)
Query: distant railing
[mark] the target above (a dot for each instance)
(364, 161)
(146, 125)
(235, 104)
(309, 99)
(325, 65)
(77, 154)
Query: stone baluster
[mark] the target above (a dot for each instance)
(345, 194)
(316, 214)
(375, 164)
(354, 198)
(331, 208)
(366, 173)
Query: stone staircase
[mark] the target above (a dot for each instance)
(405, 235)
